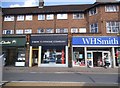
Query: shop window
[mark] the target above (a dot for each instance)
(9, 18)
(82, 30)
(41, 17)
(53, 55)
(117, 56)
(111, 8)
(113, 27)
(74, 30)
(94, 28)
(50, 17)
(29, 17)
(93, 11)
(20, 31)
(49, 30)
(20, 18)
(62, 30)
(8, 31)
(78, 56)
(78, 16)
(28, 31)
(62, 16)
(40, 30)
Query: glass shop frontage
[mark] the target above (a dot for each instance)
(14, 50)
(48, 50)
(97, 51)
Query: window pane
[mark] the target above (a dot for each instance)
(28, 17)
(61, 16)
(19, 31)
(41, 17)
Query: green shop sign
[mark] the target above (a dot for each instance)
(13, 41)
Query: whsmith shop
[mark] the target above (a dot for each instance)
(95, 51)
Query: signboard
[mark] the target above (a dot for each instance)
(13, 41)
(98, 41)
(48, 39)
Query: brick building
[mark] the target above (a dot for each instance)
(62, 35)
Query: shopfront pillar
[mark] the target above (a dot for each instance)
(30, 57)
(85, 51)
(66, 48)
(113, 57)
(39, 55)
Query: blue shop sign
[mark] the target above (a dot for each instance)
(105, 40)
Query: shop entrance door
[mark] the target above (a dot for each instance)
(97, 59)
(35, 57)
(106, 57)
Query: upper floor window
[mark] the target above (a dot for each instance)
(50, 17)
(40, 30)
(94, 28)
(93, 11)
(28, 31)
(62, 30)
(8, 31)
(9, 18)
(78, 16)
(74, 30)
(49, 30)
(113, 27)
(20, 18)
(62, 16)
(82, 30)
(19, 31)
(41, 17)
(111, 8)
(28, 17)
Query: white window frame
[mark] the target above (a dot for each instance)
(74, 30)
(49, 30)
(19, 31)
(78, 16)
(9, 18)
(113, 27)
(62, 16)
(62, 30)
(41, 17)
(93, 28)
(8, 32)
(29, 17)
(111, 8)
(82, 30)
(27, 31)
(93, 11)
(49, 16)
(20, 18)
(39, 30)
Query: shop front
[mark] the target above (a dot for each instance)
(96, 51)
(49, 50)
(13, 48)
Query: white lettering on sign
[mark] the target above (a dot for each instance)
(99, 41)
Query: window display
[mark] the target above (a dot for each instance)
(78, 57)
(53, 55)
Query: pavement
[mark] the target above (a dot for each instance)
(62, 70)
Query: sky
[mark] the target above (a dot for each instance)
(30, 3)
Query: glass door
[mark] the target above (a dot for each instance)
(106, 58)
(89, 58)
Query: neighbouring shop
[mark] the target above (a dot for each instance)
(96, 51)
(13, 48)
(49, 50)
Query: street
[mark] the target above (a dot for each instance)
(62, 77)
